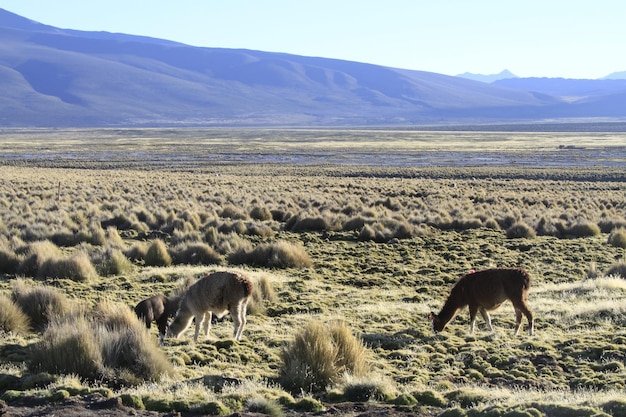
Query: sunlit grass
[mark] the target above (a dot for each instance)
(382, 287)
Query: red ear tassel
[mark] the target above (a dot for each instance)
(471, 271)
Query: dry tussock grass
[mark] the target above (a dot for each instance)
(12, 318)
(383, 247)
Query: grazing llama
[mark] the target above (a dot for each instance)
(158, 308)
(485, 291)
(219, 293)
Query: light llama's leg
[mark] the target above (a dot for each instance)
(207, 324)
(200, 319)
(487, 318)
(238, 314)
(235, 313)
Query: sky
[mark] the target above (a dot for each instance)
(531, 38)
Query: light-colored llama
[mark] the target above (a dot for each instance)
(217, 293)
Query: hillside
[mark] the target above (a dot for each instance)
(56, 77)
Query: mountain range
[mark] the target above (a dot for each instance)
(52, 77)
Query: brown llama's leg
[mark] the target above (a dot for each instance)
(487, 317)
(473, 309)
(521, 308)
(518, 321)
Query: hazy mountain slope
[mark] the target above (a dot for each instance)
(620, 75)
(60, 77)
(565, 87)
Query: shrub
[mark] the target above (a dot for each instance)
(137, 252)
(308, 404)
(196, 254)
(265, 406)
(260, 213)
(114, 262)
(113, 238)
(12, 318)
(111, 344)
(316, 358)
(157, 254)
(280, 254)
(583, 229)
(68, 347)
(355, 223)
(453, 412)
(40, 303)
(618, 268)
(232, 212)
(367, 389)
(617, 408)
(9, 261)
(77, 268)
(617, 238)
(263, 290)
(310, 224)
(261, 230)
(37, 253)
(607, 225)
(520, 230)
(467, 397)
(430, 397)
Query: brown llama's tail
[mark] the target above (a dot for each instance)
(526, 278)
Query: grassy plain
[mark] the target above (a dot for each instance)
(389, 219)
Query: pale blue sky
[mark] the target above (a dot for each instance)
(531, 38)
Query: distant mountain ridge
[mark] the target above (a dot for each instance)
(621, 75)
(53, 77)
(488, 78)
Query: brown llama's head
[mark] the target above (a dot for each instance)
(438, 324)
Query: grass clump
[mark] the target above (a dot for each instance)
(12, 318)
(618, 268)
(68, 347)
(9, 261)
(520, 230)
(77, 268)
(36, 255)
(430, 397)
(583, 229)
(109, 345)
(196, 253)
(280, 254)
(113, 262)
(320, 356)
(617, 238)
(157, 254)
(264, 406)
(367, 388)
(40, 303)
(308, 224)
(263, 291)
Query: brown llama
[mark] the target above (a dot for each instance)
(158, 308)
(485, 291)
(217, 293)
